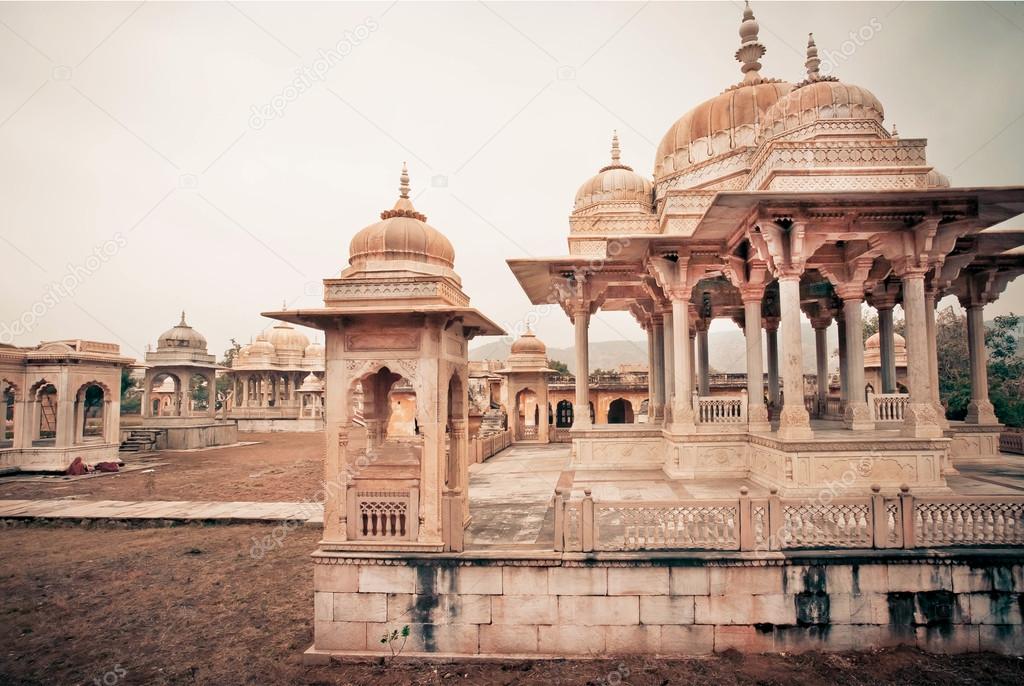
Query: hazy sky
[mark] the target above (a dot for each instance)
(130, 154)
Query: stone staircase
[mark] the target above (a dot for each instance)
(141, 441)
(492, 421)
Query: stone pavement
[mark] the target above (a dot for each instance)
(310, 513)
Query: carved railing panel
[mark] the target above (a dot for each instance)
(384, 515)
(720, 409)
(774, 523)
(705, 525)
(888, 407)
(1011, 442)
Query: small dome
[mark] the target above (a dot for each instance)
(727, 121)
(402, 234)
(285, 337)
(937, 179)
(314, 350)
(259, 348)
(528, 344)
(311, 384)
(181, 336)
(615, 183)
(875, 341)
(818, 98)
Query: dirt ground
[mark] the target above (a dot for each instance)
(189, 605)
(282, 467)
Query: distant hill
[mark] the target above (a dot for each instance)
(727, 352)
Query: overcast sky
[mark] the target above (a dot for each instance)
(130, 152)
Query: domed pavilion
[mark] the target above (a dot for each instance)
(526, 389)
(771, 203)
(396, 320)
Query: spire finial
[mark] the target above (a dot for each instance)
(284, 304)
(182, 322)
(403, 189)
(615, 147)
(750, 50)
(812, 63)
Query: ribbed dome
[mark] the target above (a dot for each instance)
(402, 234)
(285, 337)
(717, 126)
(727, 121)
(311, 384)
(260, 347)
(314, 350)
(875, 341)
(819, 97)
(528, 344)
(181, 336)
(820, 100)
(615, 183)
(937, 179)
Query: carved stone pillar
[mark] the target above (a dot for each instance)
(658, 368)
(844, 366)
(581, 410)
(703, 366)
(669, 367)
(887, 349)
(771, 327)
(794, 422)
(821, 325)
(979, 409)
(921, 419)
(856, 414)
(933, 358)
(682, 400)
(757, 413)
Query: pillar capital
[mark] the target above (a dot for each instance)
(770, 323)
(819, 323)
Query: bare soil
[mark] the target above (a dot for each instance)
(189, 605)
(281, 467)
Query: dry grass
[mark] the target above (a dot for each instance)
(188, 605)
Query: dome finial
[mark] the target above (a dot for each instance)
(812, 63)
(403, 189)
(750, 50)
(895, 133)
(615, 147)
(182, 322)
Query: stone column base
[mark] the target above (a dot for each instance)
(981, 412)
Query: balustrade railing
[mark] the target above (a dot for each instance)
(1011, 442)
(774, 523)
(528, 433)
(383, 515)
(833, 408)
(482, 447)
(720, 409)
(888, 408)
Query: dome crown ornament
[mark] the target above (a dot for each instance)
(616, 156)
(813, 65)
(750, 50)
(403, 206)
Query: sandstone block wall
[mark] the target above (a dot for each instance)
(676, 608)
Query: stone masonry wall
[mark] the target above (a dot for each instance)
(675, 608)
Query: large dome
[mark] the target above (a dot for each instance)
(727, 121)
(402, 234)
(285, 337)
(615, 183)
(181, 336)
(817, 98)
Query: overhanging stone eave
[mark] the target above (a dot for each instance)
(325, 317)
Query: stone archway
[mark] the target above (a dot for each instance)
(620, 411)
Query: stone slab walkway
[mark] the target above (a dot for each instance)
(184, 511)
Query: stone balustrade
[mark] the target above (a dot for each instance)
(888, 408)
(721, 409)
(773, 523)
(482, 447)
(833, 408)
(1011, 442)
(378, 515)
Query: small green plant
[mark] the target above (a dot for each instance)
(390, 639)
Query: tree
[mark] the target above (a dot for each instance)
(131, 399)
(1005, 369)
(231, 353)
(560, 367)
(954, 363)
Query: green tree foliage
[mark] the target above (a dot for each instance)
(131, 402)
(231, 353)
(954, 363)
(560, 367)
(1006, 369)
